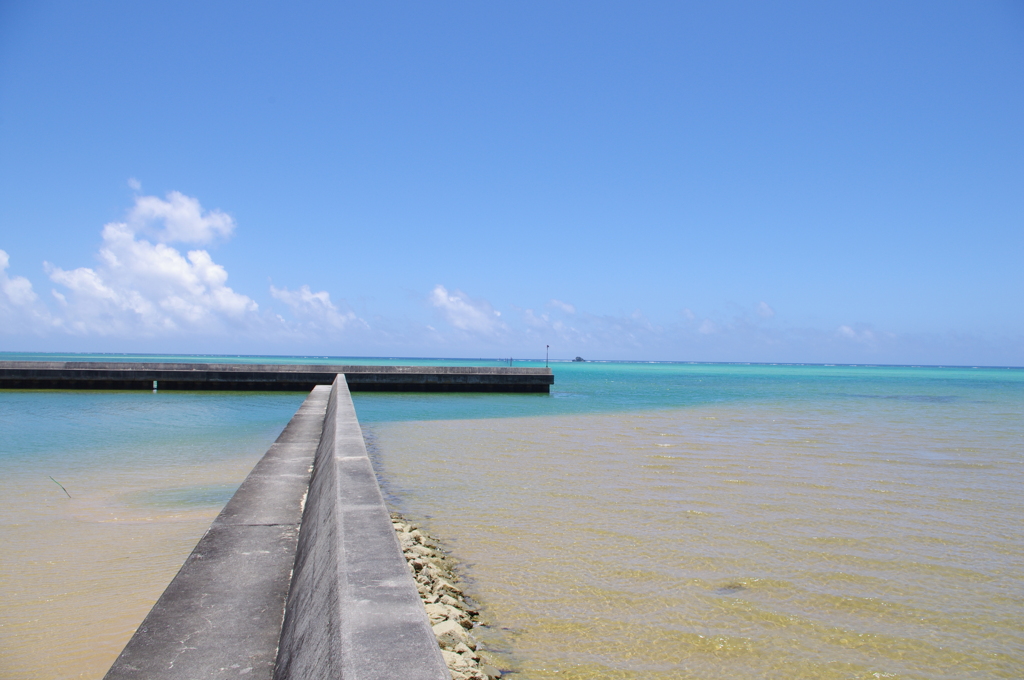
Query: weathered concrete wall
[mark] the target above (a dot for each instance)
(172, 376)
(307, 528)
(353, 611)
(221, 616)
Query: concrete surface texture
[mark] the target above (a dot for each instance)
(221, 616)
(300, 577)
(353, 611)
(176, 376)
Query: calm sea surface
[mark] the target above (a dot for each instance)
(642, 521)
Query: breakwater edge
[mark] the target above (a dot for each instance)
(453, 616)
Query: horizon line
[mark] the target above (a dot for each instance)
(560, 361)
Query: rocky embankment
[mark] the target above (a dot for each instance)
(451, 616)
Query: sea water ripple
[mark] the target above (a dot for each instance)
(643, 520)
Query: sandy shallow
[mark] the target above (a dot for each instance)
(713, 542)
(724, 542)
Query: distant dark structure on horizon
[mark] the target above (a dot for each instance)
(579, 359)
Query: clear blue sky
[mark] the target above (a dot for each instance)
(825, 182)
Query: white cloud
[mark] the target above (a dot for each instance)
(142, 288)
(466, 314)
(316, 308)
(183, 220)
(535, 321)
(864, 335)
(21, 311)
(584, 333)
(17, 290)
(134, 184)
(564, 306)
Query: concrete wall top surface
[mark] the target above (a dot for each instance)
(221, 616)
(300, 577)
(353, 611)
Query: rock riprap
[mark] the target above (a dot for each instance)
(452, 616)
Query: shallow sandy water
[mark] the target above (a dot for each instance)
(724, 542)
(96, 565)
(147, 474)
(824, 537)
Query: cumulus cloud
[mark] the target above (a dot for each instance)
(466, 314)
(21, 310)
(144, 288)
(17, 291)
(316, 309)
(143, 285)
(178, 219)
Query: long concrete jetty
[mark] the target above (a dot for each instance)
(113, 375)
(300, 577)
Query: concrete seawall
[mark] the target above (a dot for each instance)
(353, 610)
(173, 376)
(300, 576)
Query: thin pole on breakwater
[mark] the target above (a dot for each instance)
(547, 350)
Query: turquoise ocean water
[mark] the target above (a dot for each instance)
(655, 520)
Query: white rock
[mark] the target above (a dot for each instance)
(466, 651)
(438, 611)
(445, 585)
(455, 661)
(450, 633)
(423, 550)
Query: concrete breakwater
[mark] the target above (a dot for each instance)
(115, 375)
(302, 575)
